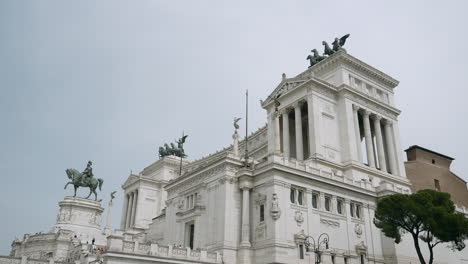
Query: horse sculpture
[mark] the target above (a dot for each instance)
(328, 51)
(78, 180)
(314, 59)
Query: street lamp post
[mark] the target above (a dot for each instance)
(317, 246)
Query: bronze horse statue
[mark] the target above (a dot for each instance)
(78, 180)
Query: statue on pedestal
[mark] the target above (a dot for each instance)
(84, 179)
(235, 137)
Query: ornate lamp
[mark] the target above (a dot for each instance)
(317, 246)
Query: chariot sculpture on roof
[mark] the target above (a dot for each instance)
(172, 150)
(337, 45)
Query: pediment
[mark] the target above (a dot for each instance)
(130, 180)
(285, 86)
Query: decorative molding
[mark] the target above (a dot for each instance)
(260, 199)
(330, 223)
(260, 231)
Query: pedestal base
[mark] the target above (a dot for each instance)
(245, 256)
(83, 217)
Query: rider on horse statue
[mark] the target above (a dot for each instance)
(87, 173)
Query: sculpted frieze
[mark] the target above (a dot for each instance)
(199, 178)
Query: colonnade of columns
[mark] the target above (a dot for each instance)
(282, 136)
(131, 203)
(381, 152)
(377, 132)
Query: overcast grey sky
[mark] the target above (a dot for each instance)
(110, 81)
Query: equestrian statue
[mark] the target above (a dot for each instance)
(84, 179)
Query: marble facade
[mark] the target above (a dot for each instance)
(330, 149)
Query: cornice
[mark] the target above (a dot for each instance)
(346, 59)
(300, 173)
(368, 102)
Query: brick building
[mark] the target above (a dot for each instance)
(427, 169)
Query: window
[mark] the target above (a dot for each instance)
(190, 201)
(292, 195)
(301, 251)
(433, 161)
(297, 196)
(262, 212)
(355, 210)
(333, 259)
(358, 211)
(339, 206)
(300, 194)
(362, 259)
(328, 203)
(437, 184)
(345, 260)
(315, 200)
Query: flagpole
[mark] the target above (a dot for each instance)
(246, 127)
(182, 147)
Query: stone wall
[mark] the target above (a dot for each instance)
(25, 260)
(118, 247)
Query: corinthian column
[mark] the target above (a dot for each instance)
(129, 210)
(132, 214)
(368, 136)
(245, 185)
(357, 132)
(298, 122)
(380, 148)
(390, 146)
(286, 134)
(124, 213)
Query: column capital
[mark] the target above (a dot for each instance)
(298, 103)
(377, 117)
(356, 107)
(245, 182)
(366, 113)
(388, 122)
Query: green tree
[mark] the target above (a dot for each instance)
(427, 215)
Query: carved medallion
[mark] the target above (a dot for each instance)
(299, 218)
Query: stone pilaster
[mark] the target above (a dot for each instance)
(286, 149)
(277, 134)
